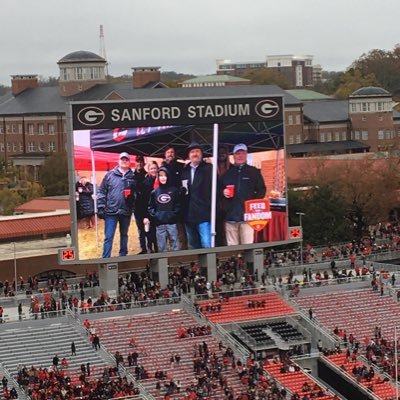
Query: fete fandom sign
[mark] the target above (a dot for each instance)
(257, 213)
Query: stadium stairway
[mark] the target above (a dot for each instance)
(156, 338)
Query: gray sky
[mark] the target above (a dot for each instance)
(189, 35)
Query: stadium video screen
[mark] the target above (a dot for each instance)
(165, 177)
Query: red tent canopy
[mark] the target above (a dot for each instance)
(103, 161)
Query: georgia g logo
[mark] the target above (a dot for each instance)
(164, 198)
(91, 116)
(267, 108)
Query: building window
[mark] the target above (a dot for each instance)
(2, 147)
(381, 135)
(42, 146)
(20, 129)
(1, 129)
(31, 147)
(51, 129)
(344, 135)
(356, 135)
(337, 136)
(79, 73)
(353, 107)
(363, 118)
(298, 139)
(388, 134)
(379, 106)
(13, 128)
(8, 128)
(322, 137)
(291, 139)
(329, 136)
(364, 135)
(298, 119)
(365, 107)
(31, 129)
(52, 146)
(41, 129)
(21, 148)
(14, 147)
(290, 119)
(64, 74)
(380, 119)
(8, 147)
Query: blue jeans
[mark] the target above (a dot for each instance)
(162, 232)
(110, 226)
(199, 235)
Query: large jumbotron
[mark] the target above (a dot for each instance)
(145, 129)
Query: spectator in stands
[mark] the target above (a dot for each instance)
(115, 204)
(73, 349)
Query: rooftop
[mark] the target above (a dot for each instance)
(370, 91)
(308, 95)
(216, 78)
(81, 55)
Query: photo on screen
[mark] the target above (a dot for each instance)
(149, 190)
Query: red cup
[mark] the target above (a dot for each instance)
(231, 189)
(127, 192)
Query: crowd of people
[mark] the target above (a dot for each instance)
(171, 202)
(45, 384)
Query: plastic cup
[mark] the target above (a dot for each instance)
(147, 227)
(231, 189)
(127, 192)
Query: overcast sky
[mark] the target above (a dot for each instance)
(189, 35)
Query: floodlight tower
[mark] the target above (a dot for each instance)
(102, 51)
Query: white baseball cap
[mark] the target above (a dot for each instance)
(240, 146)
(124, 155)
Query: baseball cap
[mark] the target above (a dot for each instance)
(124, 155)
(240, 146)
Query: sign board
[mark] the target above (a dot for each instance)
(295, 232)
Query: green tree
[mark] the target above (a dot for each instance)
(54, 175)
(325, 218)
(9, 200)
(264, 76)
(352, 80)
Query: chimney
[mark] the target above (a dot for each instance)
(20, 83)
(144, 75)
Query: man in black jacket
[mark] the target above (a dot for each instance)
(115, 204)
(240, 183)
(196, 182)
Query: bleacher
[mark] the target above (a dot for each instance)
(293, 380)
(385, 390)
(37, 345)
(258, 334)
(358, 311)
(156, 338)
(236, 309)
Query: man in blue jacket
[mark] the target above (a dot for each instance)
(246, 183)
(196, 182)
(115, 204)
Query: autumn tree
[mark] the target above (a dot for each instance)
(384, 65)
(265, 76)
(352, 80)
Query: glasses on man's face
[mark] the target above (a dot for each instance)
(124, 159)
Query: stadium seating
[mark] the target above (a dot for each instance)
(156, 338)
(236, 308)
(357, 311)
(384, 390)
(293, 380)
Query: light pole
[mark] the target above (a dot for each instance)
(15, 267)
(300, 214)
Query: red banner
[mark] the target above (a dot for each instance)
(257, 213)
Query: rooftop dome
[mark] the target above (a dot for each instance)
(370, 91)
(81, 56)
